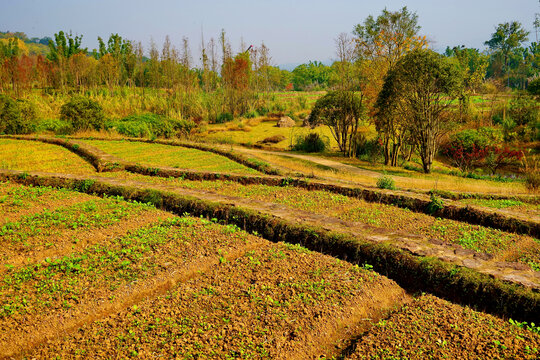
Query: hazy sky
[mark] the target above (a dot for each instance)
(295, 30)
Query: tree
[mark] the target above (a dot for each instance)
(380, 43)
(506, 38)
(342, 112)
(419, 91)
(61, 49)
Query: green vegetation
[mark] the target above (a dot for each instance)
(37, 156)
(83, 113)
(150, 126)
(386, 182)
(169, 155)
(310, 143)
(16, 116)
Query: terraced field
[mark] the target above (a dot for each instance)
(503, 245)
(101, 277)
(37, 156)
(172, 156)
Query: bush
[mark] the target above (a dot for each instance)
(311, 142)
(523, 110)
(57, 126)
(151, 126)
(534, 87)
(16, 116)
(83, 113)
(369, 150)
(467, 148)
(224, 117)
(386, 182)
(435, 204)
(532, 181)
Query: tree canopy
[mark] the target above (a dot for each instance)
(416, 96)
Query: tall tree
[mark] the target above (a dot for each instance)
(380, 43)
(342, 112)
(419, 91)
(506, 38)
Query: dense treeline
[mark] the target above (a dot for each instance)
(384, 74)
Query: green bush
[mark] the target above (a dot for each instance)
(57, 126)
(150, 126)
(523, 110)
(224, 117)
(386, 182)
(534, 87)
(16, 116)
(435, 204)
(368, 150)
(83, 113)
(311, 142)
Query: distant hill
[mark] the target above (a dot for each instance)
(34, 45)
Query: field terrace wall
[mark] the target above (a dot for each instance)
(531, 199)
(414, 273)
(415, 202)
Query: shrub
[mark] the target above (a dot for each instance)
(498, 157)
(386, 182)
(523, 110)
(532, 181)
(224, 117)
(16, 116)
(467, 148)
(57, 126)
(435, 204)
(534, 87)
(151, 126)
(311, 142)
(83, 113)
(369, 150)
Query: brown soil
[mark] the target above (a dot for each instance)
(431, 328)
(278, 301)
(13, 208)
(73, 241)
(53, 229)
(56, 303)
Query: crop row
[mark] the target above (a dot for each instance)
(83, 282)
(504, 245)
(274, 302)
(431, 328)
(43, 228)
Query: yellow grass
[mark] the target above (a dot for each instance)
(259, 130)
(172, 156)
(36, 156)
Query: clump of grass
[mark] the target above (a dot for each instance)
(386, 182)
(435, 204)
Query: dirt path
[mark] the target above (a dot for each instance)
(315, 159)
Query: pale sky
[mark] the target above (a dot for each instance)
(296, 31)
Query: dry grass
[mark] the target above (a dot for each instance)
(260, 130)
(37, 156)
(173, 156)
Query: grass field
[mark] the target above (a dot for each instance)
(252, 131)
(38, 156)
(172, 156)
